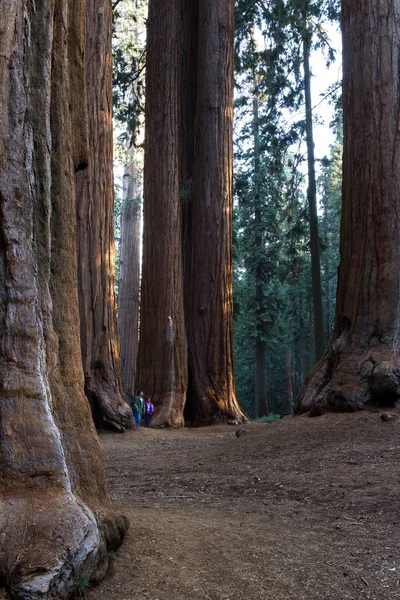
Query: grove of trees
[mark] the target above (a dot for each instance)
(59, 346)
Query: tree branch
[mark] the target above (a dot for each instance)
(115, 4)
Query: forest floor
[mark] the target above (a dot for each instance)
(299, 509)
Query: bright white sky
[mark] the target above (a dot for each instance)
(322, 79)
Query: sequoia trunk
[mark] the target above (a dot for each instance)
(128, 296)
(362, 365)
(209, 304)
(56, 520)
(95, 234)
(162, 372)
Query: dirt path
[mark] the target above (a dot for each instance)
(301, 509)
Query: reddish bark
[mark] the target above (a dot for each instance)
(56, 520)
(95, 234)
(162, 370)
(362, 365)
(209, 290)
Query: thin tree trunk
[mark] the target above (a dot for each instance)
(312, 204)
(54, 503)
(362, 366)
(209, 313)
(162, 350)
(287, 409)
(327, 269)
(260, 388)
(128, 297)
(95, 235)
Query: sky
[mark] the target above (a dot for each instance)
(322, 79)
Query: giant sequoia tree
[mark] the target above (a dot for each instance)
(56, 520)
(162, 371)
(208, 287)
(362, 364)
(95, 233)
(188, 160)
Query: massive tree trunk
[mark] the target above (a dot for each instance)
(56, 520)
(362, 365)
(128, 295)
(95, 235)
(209, 303)
(162, 372)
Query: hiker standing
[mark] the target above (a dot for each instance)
(148, 412)
(137, 408)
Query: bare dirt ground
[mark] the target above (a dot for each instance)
(300, 509)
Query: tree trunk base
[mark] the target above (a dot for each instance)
(350, 378)
(169, 412)
(107, 405)
(52, 544)
(210, 411)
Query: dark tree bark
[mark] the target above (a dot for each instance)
(209, 302)
(362, 364)
(56, 520)
(312, 201)
(95, 234)
(162, 371)
(129, 286)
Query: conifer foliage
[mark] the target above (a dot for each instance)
(275, 318)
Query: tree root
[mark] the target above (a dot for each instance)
(109, 409)
(50, 540)
(350, 378)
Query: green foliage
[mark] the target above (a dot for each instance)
(129, 58)
(82, 587)
(272, 283)
(271, 418)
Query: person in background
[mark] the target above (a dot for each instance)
(148, 412)
(138, 404)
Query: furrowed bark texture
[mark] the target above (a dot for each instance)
(128, 297)
(362, 365)
(162, 351)
(56, 520)
(95, 235)
(209, 304)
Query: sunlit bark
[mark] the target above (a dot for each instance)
(95, 234)
(56, 520)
